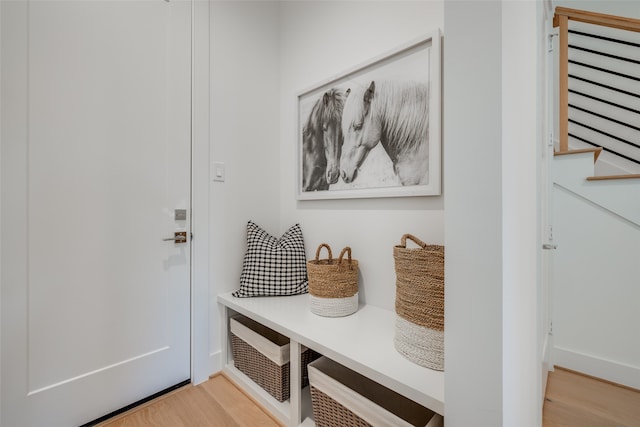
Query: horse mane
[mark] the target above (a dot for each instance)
(403, 110)
(326, 109)
(332, 102)
(311, 126)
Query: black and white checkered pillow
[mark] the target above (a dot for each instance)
(273, 266)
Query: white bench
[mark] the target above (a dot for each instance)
(362, 342)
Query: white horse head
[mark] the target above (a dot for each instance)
(394, 114)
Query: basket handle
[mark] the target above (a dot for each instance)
(417, 241)
(346, 249)
(323, 245)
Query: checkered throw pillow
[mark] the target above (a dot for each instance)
(273, 266)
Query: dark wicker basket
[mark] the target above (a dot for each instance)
(327, 412)
(273, 378)
(378, 404)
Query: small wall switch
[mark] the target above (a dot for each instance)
(219, 171)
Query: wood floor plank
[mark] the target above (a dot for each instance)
(573, 399)
(559, 414)
(197, 408)
(228, 395)
(214, 403)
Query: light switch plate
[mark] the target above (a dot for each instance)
(219, 171)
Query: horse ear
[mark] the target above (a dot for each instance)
(368, 94)
(325, 99)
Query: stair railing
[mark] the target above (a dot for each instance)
(561, 20)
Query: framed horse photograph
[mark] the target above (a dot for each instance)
(374, 130)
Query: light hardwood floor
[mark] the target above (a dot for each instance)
(214, 403)
(574, 399)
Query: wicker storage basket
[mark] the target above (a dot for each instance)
(344, 398)
(262, 354)
(333, 284)
(419, 334)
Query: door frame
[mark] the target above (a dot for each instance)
(202, 362)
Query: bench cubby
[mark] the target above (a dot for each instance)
(362, 342)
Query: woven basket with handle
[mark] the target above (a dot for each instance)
(420, 302)
(333, 283)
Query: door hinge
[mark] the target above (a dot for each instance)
(550, 327)
(550, 41)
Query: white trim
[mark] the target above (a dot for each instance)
(607, 163)
(1, 220)
(547, 365)
(200, 357)
(609, 370)
(96, 371)
(215, 361)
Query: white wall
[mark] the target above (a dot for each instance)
(595, 292)
(318, 40)
(263, 54)
(200, 255)
(473, 223)
(244, 135)
(491, 227)
(522, 142)
(595, 317)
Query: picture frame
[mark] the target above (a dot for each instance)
(375, 129)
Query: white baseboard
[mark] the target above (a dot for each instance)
(546, 366)
(601, 368)
(215, 362)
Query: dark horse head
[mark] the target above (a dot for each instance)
(322, 142)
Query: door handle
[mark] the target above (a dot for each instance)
(549, 246)
(179, 237)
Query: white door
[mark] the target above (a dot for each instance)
(95, 161)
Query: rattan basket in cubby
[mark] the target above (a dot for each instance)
(262, 354)
(344, 398)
